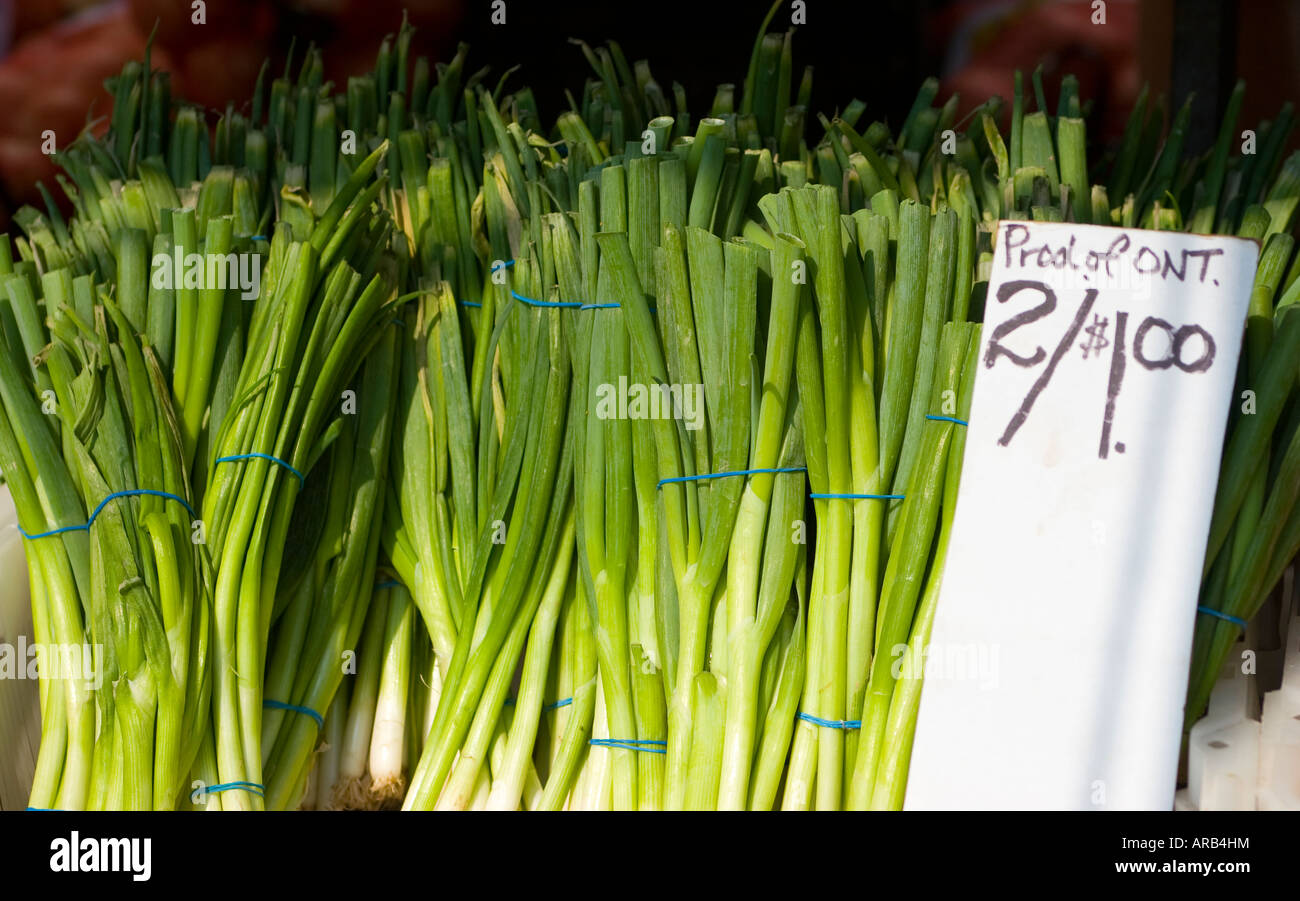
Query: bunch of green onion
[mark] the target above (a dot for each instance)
(407, 553)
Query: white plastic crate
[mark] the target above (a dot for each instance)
(1244, 755)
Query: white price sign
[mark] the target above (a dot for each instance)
(1057, 668)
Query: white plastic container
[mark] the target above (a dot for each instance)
(20, 712)
(1279, 751)
(1223, 752)
(1242, 756)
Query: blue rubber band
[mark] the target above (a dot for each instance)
(471, 303)
(610, 306)
(573, 305)
(857, 497)
(533, 302)
(510, 702)
(135, 492)
(45, 809)
(1235, 620)
(294, 708)
(947, 419)
(391, 583)
(235, 786)
(830, 724)
(506, 265)
(631, 744)
(276, 460)
(723, 475)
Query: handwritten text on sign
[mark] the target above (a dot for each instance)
(1096, 429)
(1126, 268)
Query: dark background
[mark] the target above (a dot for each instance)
(865, 49)
(55, 54)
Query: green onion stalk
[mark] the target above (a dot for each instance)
(378, 706)
(567, 725)
(507, 739)
(473, 420)
(886, 788)
(386, 763)
(356, 475)
(750, 629)
(124, 598)
(529, 494)
(313, 322)
(904, 573)
(813, 214)
(350, 790)
(420, 468)
(606, 493)
(707, 309)
(324, 782)
(515, 776)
